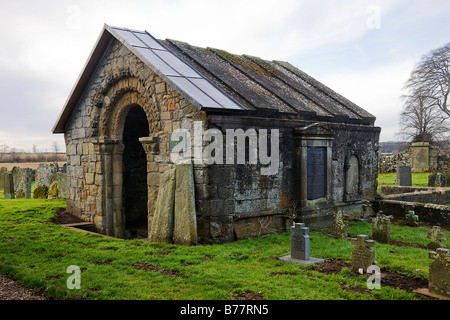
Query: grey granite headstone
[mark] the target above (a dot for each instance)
(405, 176)
(300, 246)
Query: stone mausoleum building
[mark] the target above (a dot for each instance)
(135, 92)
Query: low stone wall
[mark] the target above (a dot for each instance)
(427, 203)
(414, 194)
(427, 212)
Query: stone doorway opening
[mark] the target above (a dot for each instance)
(134, 161)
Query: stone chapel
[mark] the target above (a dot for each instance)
(135, 91)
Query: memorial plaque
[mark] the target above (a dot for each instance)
(316, 159)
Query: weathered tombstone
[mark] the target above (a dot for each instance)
(367, 210)
(15, 171)
(339, 228)
(363, 255)
(185, 220)
(438, 180)
(161, 227)
(405, 176)
(412, 219)
(8, 185)
(436, 237)
(53, 190)
(381, 230)
(24, 180)
(3, 170)
(439, 272)
(45, 174)
(62, 185)
(300, 246)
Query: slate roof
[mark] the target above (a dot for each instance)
(217, 81)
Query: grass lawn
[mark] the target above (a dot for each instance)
(419, 179)
(38, 253)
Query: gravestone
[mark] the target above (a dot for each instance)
(412, 219)
(45, 174)
(3, 170)
(363, 255)
(185, 220)
(438, 180)
(381, 230)
(161, 226)
(405, 176)
(61, 177)
(436, 237)
(300, 246)
(24, 180)
(8, 186)
(339, 228)
(439, 272)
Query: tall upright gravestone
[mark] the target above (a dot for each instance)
(8, 187)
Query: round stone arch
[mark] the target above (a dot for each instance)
(126, 100)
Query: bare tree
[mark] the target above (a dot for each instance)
(431, 78)
(4, 150)
(420, 120)
(55, 147)
(34, 149)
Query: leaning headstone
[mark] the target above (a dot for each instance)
(439, 272)
(405, 176)
(8, 185)
(185, 218)
(300, 246)
(381, 230)
(24, 180)
(363, 255)
(436, 237)
(412, 219)
(339, 228)
(161, 227)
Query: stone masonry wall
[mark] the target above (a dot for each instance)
(94, 132)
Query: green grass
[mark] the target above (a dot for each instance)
(38, 253)
(419, 179)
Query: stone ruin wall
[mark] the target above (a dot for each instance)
(438, 161)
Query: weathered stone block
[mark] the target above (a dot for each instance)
(162, 224)
(185, 220)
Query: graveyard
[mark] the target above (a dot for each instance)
(36, 251)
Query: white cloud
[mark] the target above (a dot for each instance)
(46, 43)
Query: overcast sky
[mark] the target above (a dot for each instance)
(364, 50)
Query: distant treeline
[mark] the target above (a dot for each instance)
(19, 157)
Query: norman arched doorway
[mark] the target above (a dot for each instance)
(134, 162)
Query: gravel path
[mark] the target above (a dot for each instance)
(12, 290)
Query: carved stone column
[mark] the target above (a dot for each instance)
(151, 147)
